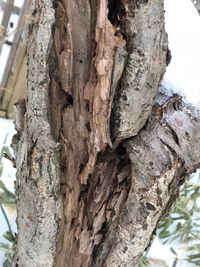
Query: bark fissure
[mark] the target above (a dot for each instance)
(101, 152)
(158, 169)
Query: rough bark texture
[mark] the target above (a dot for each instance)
(39, 202)
(89, 192)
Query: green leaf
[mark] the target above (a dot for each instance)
(6, 200)
(175, 262)
(164, 234)
(194, 256)
(182, 210)
(4, 246)
(195, 196)
(6, 218)
(10, 237)
(178, 227)
(166, 223)
(6, 149)
(1, 168)
(173, 251)
(5, 189)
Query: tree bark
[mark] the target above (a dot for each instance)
(100, 153)
(197, 5)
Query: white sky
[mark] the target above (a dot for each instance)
(19, 2)
(183, 27)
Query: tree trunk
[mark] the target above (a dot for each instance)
(197, 5)
(100, 153)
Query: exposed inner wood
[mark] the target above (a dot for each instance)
(93, 43)
(90, 61)
(101, 154)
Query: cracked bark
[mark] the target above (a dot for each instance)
(100, 153)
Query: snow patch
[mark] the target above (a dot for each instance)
(183, 73)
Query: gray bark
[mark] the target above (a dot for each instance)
(39, 202)
(100, 154)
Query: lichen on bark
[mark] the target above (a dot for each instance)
(95, 175)
(39, 202)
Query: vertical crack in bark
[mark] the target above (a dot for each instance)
(114, 187)
(88, 167)
(90, 170)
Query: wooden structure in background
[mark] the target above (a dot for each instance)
(13, 82)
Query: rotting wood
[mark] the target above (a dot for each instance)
(85, 196)
(85, 134)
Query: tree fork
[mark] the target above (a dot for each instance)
(99, 157)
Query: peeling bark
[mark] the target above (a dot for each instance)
(162, 154)
(100, 154)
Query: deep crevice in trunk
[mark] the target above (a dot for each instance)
(118, 173)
